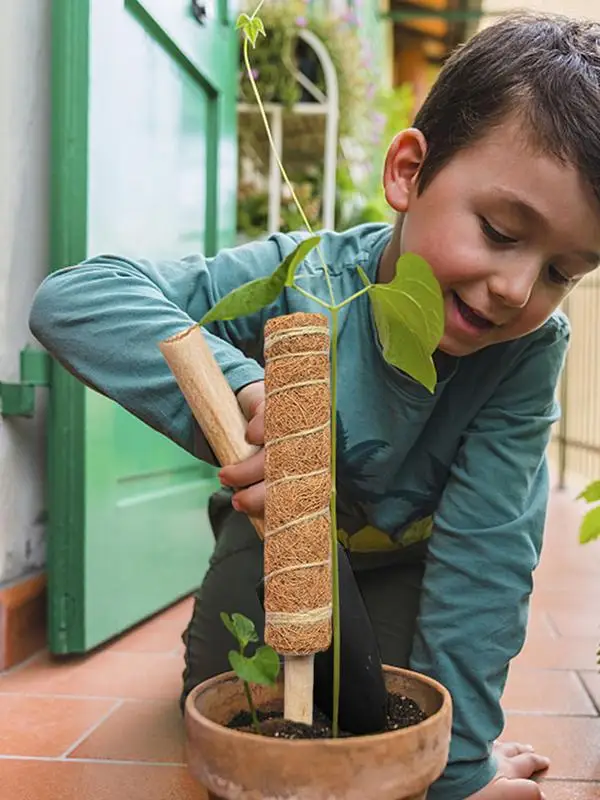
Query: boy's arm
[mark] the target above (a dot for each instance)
(485, 545)
(103, 321)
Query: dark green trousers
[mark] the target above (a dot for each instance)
(391, 594)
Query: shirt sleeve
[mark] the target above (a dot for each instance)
(103, 321)
(484, 548)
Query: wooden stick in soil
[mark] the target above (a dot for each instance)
(298, 589)
(210, 398)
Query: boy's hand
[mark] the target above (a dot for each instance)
(516, 763)
(247, 477)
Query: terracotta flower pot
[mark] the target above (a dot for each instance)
(233, 765)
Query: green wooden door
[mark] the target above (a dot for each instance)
(143, 165)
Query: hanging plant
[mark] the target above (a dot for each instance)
(368, 112)
(285, 52)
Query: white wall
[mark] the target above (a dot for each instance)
(24, 208)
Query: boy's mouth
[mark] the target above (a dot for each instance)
(472, 317)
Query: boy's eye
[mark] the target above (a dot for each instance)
(556, 276)
(494, 235)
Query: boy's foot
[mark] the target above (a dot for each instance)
(517, 763)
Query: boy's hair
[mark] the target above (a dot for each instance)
(546, 68)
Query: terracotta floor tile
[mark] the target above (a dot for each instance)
(546, 692)
(567, 790)
(548, 598)
(46, 726)
(567, 578)
(564, 652)
(75, 780)
(582, 623)
(156, 636)
(572, 743)
(103, 674)
(592, 682)
(138, 731)
(179, 614)
(539, 624)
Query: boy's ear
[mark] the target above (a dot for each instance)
(402, 164)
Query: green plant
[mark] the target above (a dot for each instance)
(262, 668)
(589, 530)
(590, 526)
(408, 313)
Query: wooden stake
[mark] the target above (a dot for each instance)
(210, 398)
(299, 675)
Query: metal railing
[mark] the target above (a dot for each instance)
(576, 445)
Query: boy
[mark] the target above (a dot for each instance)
(442, 498)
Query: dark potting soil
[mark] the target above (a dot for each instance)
(403, 712)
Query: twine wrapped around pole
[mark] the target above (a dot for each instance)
(297, 554)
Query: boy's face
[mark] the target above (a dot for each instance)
(507, 231)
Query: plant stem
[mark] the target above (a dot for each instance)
(255, 722)
(276, 154)
(258, 8)
(335, 578)
(310, 296)
(350, 299)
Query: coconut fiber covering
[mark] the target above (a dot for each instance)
(297, 563)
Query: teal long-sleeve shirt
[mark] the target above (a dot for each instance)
(460, 473)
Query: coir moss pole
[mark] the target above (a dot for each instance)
(297, 560)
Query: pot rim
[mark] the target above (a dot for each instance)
(192, 713)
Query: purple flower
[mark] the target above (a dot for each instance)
(379, 121)
(301, 22)
(255, 74)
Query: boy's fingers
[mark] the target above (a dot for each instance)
(246, 473)
(251, 397)
(511, 749)
(255, 432)
(506, 789)
(250, 501)
(525, 790)
(526, 765)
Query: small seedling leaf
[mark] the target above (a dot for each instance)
(253, 27)
(590, 526)
(261, 668)
(244, 628)
(241, 628)
(228, 622)
(242, 21)
(591, 493)
(409, 314)
(257, 294)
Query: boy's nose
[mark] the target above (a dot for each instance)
(513, 287)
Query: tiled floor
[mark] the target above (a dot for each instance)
(92, 729)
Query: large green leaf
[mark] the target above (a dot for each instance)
(590, 527)
(257, 294)
(409, 314)
(591, 493)
(241, 628)
(262, 668)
